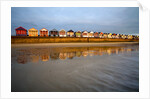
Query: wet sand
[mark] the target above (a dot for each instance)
(54, 68)
(72, 44)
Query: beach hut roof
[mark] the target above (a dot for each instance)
(114, 34)
(91, 32)
(53, 30)
(43, 29)
(79, 31)
(20, 28)
(62, 30)
(85, 31)
(33, 29)
(70, 31)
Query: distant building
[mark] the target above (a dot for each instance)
(84, 34)
(78, 34)
(20, 31)
(43, 32)
(53, 33)
(62, 33)
(96, 34)
(33, 32)
(90, 34)
(70, 33)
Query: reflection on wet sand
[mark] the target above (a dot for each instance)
(22, 59)
(62, 56)
(48, 54)
(34, 58)
(45, 57)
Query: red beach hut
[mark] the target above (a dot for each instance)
(20, 31)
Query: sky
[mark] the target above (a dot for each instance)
(123, 20)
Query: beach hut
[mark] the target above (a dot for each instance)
(78, 34)
(20, 31)
(130, 37)
(70, 33)
(90, 34)
(96, 34)
(117, 36)
(136, 37)
(114, 35)
(84, 34)
(105, 35)
(53, 33)
(43, 32)
(110, 35)
(62, 33)
(101, 35)
(123, 36)
(33, 32)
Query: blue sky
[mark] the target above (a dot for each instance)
(124, 20)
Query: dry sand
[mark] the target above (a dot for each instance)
(72, 44)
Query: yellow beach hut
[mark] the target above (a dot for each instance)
(110, 35)
(33, 32)
(90, 34)
(130, 37)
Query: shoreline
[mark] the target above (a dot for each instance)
(72, 44)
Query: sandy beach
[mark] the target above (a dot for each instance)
(72, 44)
(88, 67)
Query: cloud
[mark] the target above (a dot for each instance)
(105, 19)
